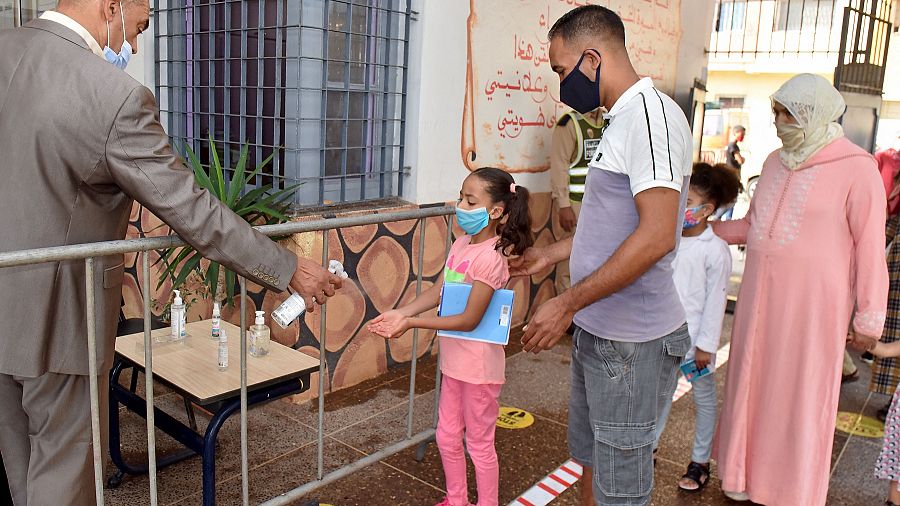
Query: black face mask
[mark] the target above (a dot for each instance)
(578, 92)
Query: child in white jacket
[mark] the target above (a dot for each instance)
(702, 268)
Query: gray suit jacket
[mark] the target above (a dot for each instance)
(79, 139)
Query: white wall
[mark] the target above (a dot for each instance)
(141, 65)
(696, 27)
(436, 86)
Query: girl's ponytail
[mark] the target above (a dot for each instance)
(515, 230)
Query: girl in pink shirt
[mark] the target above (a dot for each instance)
(493, 212)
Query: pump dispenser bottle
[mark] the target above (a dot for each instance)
(259, 336)
(177, 318)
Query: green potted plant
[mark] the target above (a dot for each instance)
(257, 205)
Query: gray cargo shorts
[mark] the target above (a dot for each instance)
(618, 391)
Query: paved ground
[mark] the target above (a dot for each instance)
(362, 419)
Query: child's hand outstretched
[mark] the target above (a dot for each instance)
(390, 324)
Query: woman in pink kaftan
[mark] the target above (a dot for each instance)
(815, 253)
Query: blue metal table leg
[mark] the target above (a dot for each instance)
(122, 395)
(115, 449)
(215, 424)
(209, 451)
(205, 446)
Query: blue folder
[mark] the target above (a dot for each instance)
(494, 327)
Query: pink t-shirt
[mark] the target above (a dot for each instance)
(472, 361)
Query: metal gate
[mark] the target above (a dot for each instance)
(860, 70)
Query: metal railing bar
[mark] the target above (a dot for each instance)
(105, 248)
(320, 441)
(148, 376)
(415, 336)
(245, 468)
(94, 379)
(437, 374)
(289, 497)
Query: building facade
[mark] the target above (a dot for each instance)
(375, 104)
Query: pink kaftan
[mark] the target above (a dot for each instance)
(815, 248)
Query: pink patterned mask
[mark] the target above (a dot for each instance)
(690, 217)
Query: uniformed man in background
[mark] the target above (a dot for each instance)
(575, 139)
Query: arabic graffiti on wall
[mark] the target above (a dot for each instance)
(512, 95)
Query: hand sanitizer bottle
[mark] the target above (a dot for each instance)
(289, 310)
(216, 321)
(259, 336)
(223, 351)
(294, 306)
(177, 318)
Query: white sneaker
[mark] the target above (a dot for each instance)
(737, 496)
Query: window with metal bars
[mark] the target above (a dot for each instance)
(15, 13)
(317, 84)
(748, 29)
(799, 14)
(731, 15)
(731, 102)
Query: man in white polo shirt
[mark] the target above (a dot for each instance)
(630, 332)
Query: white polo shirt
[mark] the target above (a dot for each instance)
(647, 144)
(648, 139)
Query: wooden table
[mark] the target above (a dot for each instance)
(190, 368)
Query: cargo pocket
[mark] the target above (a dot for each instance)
(678, 343)
(675, 346)
(623, 459)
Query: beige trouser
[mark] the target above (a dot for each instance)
(849, 367)
(563, 280)
(45, 438)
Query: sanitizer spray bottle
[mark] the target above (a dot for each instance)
(294, 306)
(216, 321)
(223, 351)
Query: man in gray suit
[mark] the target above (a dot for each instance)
(79, 140)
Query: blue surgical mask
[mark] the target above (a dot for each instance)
(120, 59)
(578, 92)
(472, 221)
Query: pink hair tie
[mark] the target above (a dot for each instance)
(512, 187)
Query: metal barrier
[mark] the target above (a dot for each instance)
(90, 251)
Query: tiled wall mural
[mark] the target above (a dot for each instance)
(382, 263)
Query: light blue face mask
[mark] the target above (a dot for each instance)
(120, 59)
(472, 221)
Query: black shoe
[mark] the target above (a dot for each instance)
(867, 358)
(882, 413)
(850, 378)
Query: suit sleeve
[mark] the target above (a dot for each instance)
(141, 162)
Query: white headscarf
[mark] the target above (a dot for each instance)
(816, 105)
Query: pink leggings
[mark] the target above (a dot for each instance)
(470, 409)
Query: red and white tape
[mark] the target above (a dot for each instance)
(551, 486)
(566, 475)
